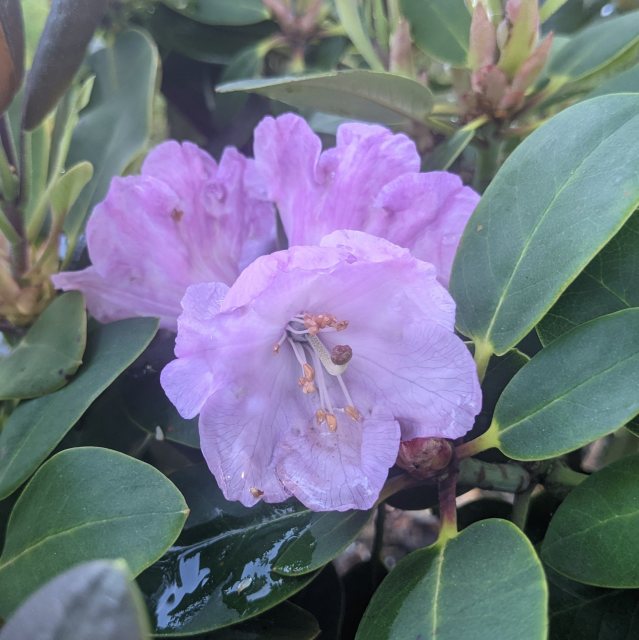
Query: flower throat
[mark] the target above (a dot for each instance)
(302, 333)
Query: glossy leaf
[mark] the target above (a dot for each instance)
(609, 283)
(598, 49)
(580, 388)
(60, 52)
(593, 536)
(220, 12)
(350, 18)
(581, 612)
(147, 406)
(285, 622)
(98, 504)
(95, 600)
(125, 82)
(224, 569)
(564, 192)
(51, 352)
(440, 29)
(35, 428)
(11, 51)
(322, 539)
(364, 95)
(486, 583)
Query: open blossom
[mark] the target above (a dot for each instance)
(370, 181)
(184, 220)
(313, 366)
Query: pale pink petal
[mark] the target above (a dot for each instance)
(356, 458)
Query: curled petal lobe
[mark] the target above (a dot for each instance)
(186, 219)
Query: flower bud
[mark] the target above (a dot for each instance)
(424, 457)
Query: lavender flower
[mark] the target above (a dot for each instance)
(370, 182)
(184, 220)
(309, 370)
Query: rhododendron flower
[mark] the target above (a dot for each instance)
(185, 219)
(370, 181)
(309, 370)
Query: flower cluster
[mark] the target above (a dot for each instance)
(307, 366)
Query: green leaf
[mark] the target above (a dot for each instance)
(440, 29)
(580, 388)
(11, 51)
(220, 12)
(68, 187)
(598, 49)
(60, 52)
(486, 583)
(588, 613)
(592, 537)
(35, 428)
(324, 537)
(51, 352)
(125, 83)
(351, 20)
(286, 622)
(95, 600)
(215, 45)
(563, 193)
(224, 569)
(609, 283)
(443, 156)
(84, 504)
(365, 95)
(625, 82)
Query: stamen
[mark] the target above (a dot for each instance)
(353, 413)
(324, 398)
(320, 416)
(309, 372)
(255, 492)
(331, 421)
(279, 343)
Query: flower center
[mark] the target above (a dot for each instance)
(302, 333)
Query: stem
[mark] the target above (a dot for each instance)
(510, 477)
(487, 163)
(396, 484)
(559, 479)
(521, 506)
(488, 440)
(447, 507)
(482, 357)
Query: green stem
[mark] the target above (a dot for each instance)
(482, 356)
(509, 477)
(447, 507)
(6, 139)
(559, 479)
(521, 506)
(488, 440)
(488, 153)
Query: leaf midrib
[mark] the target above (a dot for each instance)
(84, 525)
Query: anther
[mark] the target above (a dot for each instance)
(331, 422)
(341, 354)
(353, 413)
(256, 493)
(309, 372)
(320, 416)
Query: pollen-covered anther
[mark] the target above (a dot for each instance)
(353, 413)
(276, 348)
(320, 416)
(340, 325)
(341, 354)
(309, 372)
(331, 422)
(255, 492)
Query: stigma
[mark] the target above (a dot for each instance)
(317, 362)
